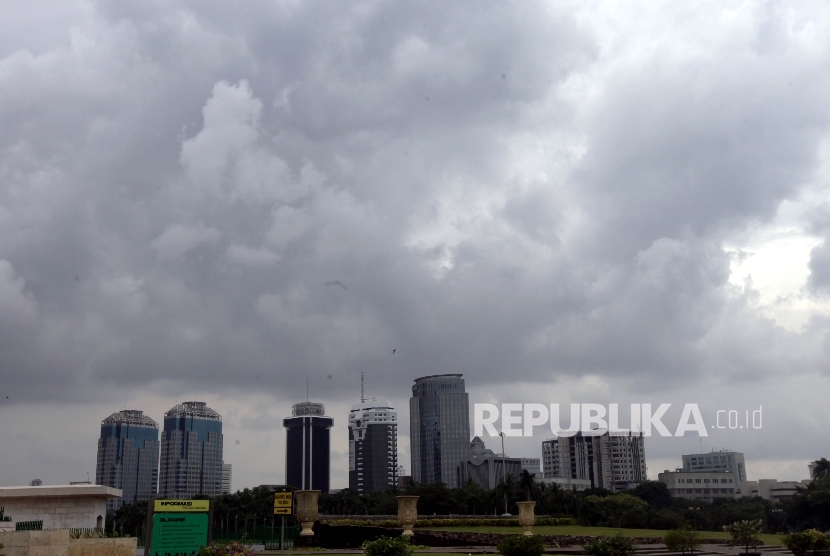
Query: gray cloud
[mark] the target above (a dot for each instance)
(505, 190)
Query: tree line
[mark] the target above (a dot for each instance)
(649, 505)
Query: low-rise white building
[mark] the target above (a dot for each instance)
(704, 485)
(772, 489)
(59, 507)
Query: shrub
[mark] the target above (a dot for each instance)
(450, 522)
(821, 541)
(744, 533)
(807, 540)
(233, 548)
(385, 546)
(682, 540)
(1, 550)
(798, 542)
(521, 545)
(610, 546)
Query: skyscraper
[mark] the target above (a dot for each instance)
(191, 452)
(614, 462)
(307, 447)
(439, 429)
(128, 457)
(373, 447)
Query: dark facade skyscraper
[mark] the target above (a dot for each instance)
(373, 447)
(439, 429)
(191, 452)
(307, 447)
(128, 457)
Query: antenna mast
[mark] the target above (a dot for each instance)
(363, 398)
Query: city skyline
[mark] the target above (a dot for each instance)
(515, 447)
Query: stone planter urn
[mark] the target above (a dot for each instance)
(407, 513)
(527, 516)
(307, 510)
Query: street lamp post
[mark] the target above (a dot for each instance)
(504, 471)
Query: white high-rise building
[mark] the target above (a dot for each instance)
(613, 462)
(373, 447)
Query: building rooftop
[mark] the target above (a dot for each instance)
(431, 377)
(130, 417)
(308, 408)
(98, 491)
(199, 410)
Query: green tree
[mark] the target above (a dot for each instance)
(526, 484)
(744, 533)
(821, 468)
(654, 492)
(614, 509)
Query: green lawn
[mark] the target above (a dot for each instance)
(579, 530)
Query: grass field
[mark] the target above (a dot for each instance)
(579, 530)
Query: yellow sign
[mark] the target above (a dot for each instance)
(283, 499)
(164, 506)
(283, 503)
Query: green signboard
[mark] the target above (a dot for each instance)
(179, 534)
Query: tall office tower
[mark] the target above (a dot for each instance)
(128, 457)
(307, 447)
(609, 461)
(191, 452)
(732, 462)
(373, 447)
(226, 478)
(439, 429)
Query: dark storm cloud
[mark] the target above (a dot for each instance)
(498, 192)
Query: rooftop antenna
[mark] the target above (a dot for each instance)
(363, 398)
(306, 387)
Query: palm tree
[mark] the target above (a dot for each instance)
(821, 468)
(526, 483)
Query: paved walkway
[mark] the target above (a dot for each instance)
(642, 550)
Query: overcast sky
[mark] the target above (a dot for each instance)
(564, 201)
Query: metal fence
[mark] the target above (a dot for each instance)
(29, 525)
(267, 536)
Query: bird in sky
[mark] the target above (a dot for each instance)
(394, 350)
(337, 283)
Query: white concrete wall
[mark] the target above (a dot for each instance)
(60, 507)
(58, 512)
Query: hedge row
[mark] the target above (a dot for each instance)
(459, 522)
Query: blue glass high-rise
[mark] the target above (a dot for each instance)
(191, 452)
(439, 429)
(128, 457)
